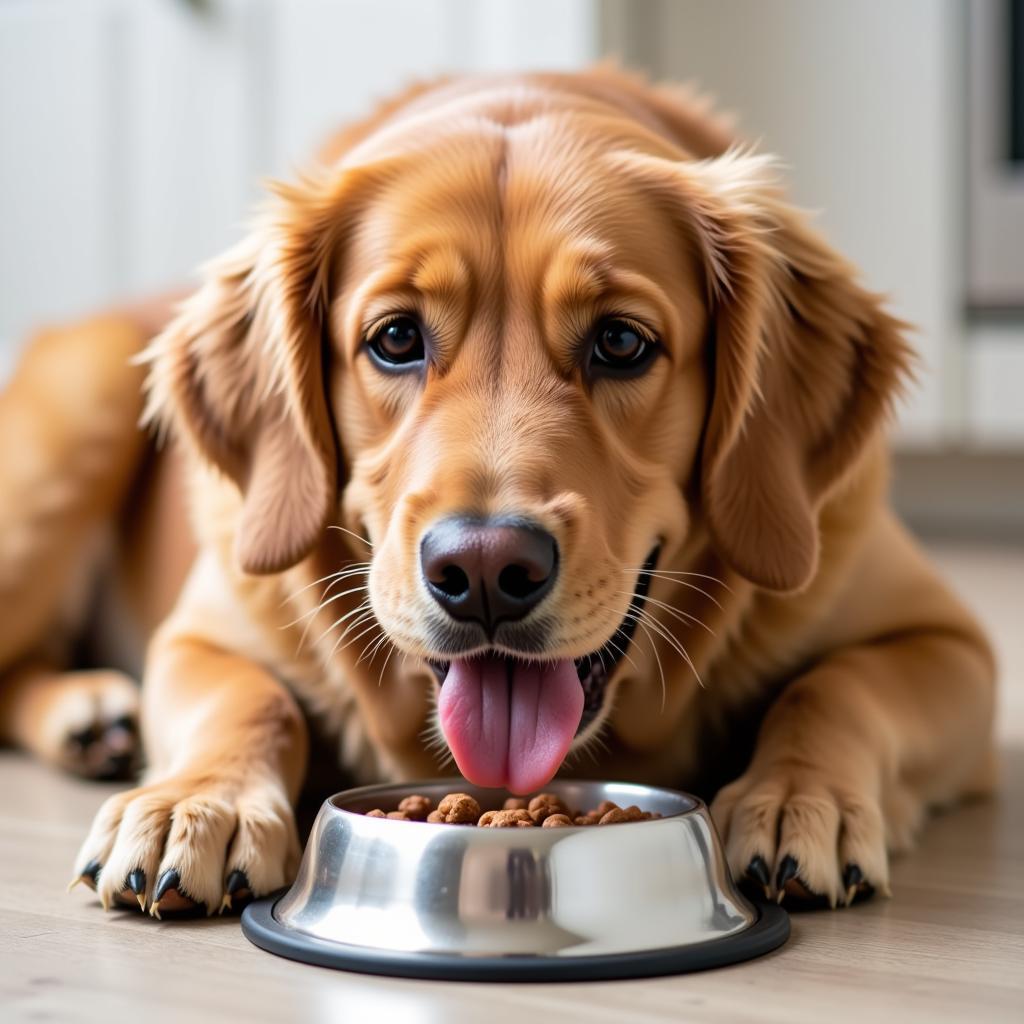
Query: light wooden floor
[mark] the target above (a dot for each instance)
(948, 946)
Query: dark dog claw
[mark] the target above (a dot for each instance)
(175, 898)
(237, 885)
(855, 883)
(170, 879)
(237, 881)
(89, 875)
(137, 883)
(787, 870)
(852, 875)
(758, 870)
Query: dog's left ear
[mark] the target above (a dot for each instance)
(805, 363)
(239, 373)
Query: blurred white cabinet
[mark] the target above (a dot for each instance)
(57, 165)
(134, 133)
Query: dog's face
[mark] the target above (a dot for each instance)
(521, 361)
(519, 382)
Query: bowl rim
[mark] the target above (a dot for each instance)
(696, 805)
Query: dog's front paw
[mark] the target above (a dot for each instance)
(794, 833)
(88, 723)
(190, 844)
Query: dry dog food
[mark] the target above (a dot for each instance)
(545, 810)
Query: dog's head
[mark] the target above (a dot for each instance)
(530, 351)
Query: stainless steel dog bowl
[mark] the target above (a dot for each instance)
(447, 901)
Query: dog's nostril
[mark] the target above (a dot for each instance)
(453, 581)
(514, 580)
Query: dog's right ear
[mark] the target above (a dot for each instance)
(804, 362)
(239, 373)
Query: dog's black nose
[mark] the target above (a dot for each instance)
(488, 570)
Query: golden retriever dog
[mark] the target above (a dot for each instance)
(532, 431)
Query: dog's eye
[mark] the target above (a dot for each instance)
(620, 348)
(399, 342)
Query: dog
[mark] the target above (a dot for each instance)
(531, 431)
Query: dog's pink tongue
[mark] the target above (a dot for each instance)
(510, 724)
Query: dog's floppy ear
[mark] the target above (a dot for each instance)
(805, 362)
(239, 374)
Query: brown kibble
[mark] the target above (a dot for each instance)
(416, 806)
(614, 816)
(544, 800)
(557, 821)
(506, 819)
(459, 809)
(546, 810)
(545, 804)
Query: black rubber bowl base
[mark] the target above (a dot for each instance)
(769, 932)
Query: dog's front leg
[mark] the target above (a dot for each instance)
(227, 746)
(851, 755)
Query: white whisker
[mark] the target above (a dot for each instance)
(363, 606)
(373, 625)
(382, 639)
(321, 606)
(684, 583)
(357, 536)
(383, 668)
(676, 612)
(348, 574)
(612, 643)
(673, 641)
(330, 576)
(678, 572)
(367, 616)
(657, 657)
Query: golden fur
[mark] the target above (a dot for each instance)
(796, 645)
